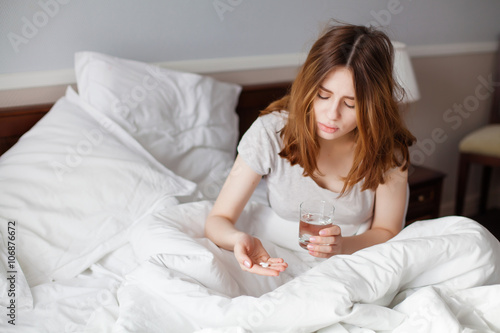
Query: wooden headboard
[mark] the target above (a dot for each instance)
(15, 121)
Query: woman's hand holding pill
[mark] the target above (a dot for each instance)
(254, 258)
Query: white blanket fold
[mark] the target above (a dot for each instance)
(189, 284)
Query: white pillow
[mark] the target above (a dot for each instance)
(186, 121)
(75, 185)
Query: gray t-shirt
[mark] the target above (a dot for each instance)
(287, 187)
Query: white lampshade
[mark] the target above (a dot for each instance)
(403, 72)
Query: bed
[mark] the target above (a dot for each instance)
(102, 207)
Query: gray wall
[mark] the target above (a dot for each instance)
(44, 34)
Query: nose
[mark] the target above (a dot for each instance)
(334, 110)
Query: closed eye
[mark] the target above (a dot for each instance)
(349, 106)
(322, 97)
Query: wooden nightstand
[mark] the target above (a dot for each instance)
(425, 193)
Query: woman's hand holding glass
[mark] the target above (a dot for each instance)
(253, 257)
(327, 244)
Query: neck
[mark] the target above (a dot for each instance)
(341, 145)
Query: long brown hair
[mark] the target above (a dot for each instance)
(382, 140)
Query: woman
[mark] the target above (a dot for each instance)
(337, 136)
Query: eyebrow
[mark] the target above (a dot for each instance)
(328, 91)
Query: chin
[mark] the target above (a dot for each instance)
(329, 136)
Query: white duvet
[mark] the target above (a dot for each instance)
(438, 275)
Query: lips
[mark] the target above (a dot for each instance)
(327, 129)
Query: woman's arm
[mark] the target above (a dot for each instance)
(390, 203)
(234, 195)
(220, 229)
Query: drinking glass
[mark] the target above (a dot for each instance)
(314, 216)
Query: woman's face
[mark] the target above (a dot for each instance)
(334, 108)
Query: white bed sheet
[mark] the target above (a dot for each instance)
(85, 303)
(438, 275)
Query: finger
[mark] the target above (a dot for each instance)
(262, 258)
(280, 266)
(320, 248)
(272, 270)
(275, 260)
(330, 231)
(327, 249)
(320, 254)
(245, 265)
(242, 257)
(322, 240)
(245, 261)
(257, 269)
(274, 263)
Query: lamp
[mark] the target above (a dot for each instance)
(403, 73)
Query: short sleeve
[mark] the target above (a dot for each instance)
(260, 145)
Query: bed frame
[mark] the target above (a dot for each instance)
(15, 121)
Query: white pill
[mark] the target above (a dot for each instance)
(264, 264)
